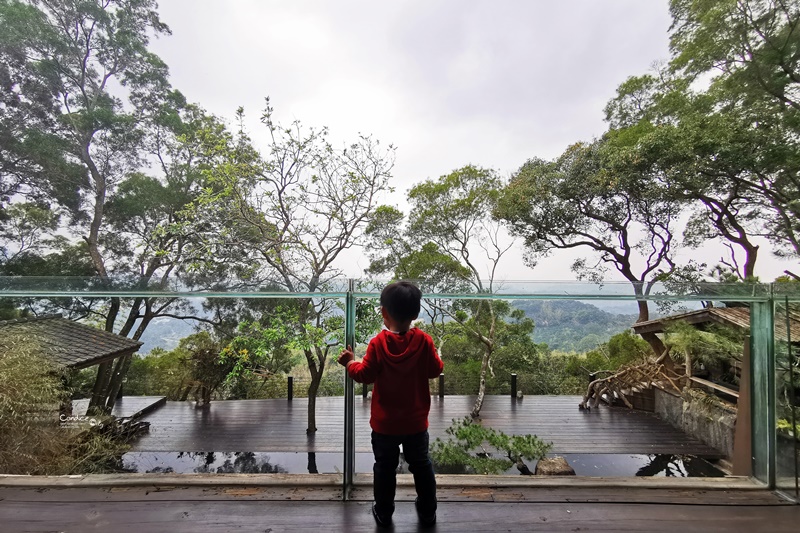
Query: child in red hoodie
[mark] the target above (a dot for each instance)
(399, 361)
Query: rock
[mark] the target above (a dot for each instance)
(553, 466)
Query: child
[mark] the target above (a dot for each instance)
(399, 360)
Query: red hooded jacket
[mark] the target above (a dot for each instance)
(400, 366)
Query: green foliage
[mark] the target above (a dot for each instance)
(271, 344)
(332, 383)
(719, 125)
(551, 375)
(160, 372)
(622, 349)
(32, 441)
(580, 200)
(473, 445)
(192, 368)
(266, 346)
(785, 426)
(710, 346)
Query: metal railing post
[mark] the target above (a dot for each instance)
(513, 386)
(441, 385)
(762, 378)
(349, 394)
(290, 388)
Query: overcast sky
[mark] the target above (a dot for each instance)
(449, 82)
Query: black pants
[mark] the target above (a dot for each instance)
(387, 456)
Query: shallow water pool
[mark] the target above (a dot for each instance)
(599, 465)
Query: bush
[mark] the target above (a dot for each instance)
(485, 450)
(160, 373)
(33, 440)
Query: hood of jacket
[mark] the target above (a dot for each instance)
(401, 350)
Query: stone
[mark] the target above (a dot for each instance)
(553, 466)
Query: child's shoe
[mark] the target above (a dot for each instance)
(425, 520)
(380, 520)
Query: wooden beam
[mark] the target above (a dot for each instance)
(713, 385)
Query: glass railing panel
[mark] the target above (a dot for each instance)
(519, 374)
(537, 377)
(787, 390)
(213, 385)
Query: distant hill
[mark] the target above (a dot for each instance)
(567, 325)
(570, 325)
(165, 333)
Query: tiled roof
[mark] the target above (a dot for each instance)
(735, 316)
(66, 342)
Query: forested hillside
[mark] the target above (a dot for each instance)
(568, 325)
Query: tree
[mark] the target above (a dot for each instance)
(78, 50)
(296, 210)
(751, 49)
(449, 237)
(577, 201)
(700, 155)
(720, 123)
(101, 135)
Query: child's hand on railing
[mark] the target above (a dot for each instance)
(346, 356)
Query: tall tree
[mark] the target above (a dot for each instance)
(751, 51)
(449, 239)
(98, 132)
(721, 124)
(297, 209)
(577, 202)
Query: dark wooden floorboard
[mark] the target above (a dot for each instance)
(279, 426)
(405, 493)
(211, 514)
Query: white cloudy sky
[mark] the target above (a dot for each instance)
(449, 82)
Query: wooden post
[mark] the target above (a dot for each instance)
(441, 386)
(290, 387)
(513, 386)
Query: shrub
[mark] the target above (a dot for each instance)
(485, 450)
(33, 441)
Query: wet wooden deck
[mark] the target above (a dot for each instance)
(315, 509)
(279, 426)
(127, 406)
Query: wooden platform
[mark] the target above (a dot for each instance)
(127, 406)
(317, 509)
(279, 426)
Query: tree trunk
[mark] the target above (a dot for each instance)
(476, 409)
(316, 365)
(312, 403)
(651, 338)
(750, 261)
(312, 463)
(120, 370)
(99, 393)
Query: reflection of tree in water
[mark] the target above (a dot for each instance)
(235, 463)
(678, 466)
(312, 463)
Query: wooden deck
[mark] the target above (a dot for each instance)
(127, 406)
(179, 509)
(279, 426)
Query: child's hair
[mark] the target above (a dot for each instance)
(401, 300)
